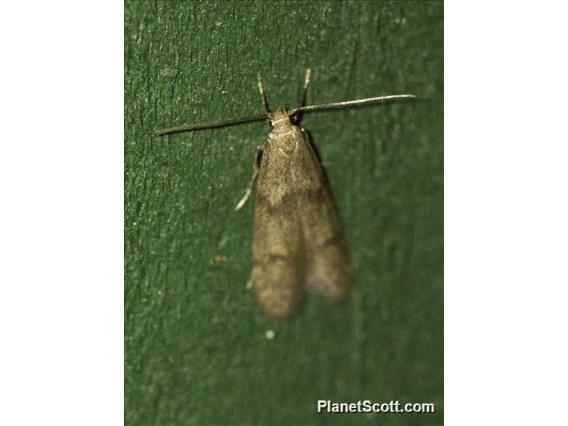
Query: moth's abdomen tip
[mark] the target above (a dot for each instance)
(341, 297)
(282, 315)
(338, 295)
(281, 310)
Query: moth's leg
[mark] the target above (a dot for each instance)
(250, 186)
(307, 80)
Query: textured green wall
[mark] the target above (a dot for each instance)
(195, 346)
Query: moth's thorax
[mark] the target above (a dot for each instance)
(284, 135)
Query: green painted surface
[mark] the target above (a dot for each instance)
(195, 346)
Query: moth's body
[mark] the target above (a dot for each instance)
(298, 243)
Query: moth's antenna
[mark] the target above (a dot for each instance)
(262, 95)
(201, 126)
(351, 103)
(307, 79)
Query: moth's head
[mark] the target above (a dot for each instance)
(278, 117)
(282, 116)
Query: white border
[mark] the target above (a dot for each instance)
(61, 224)
(506, 155)
(61, 164)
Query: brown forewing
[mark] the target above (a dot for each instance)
(328, 267)
(298, 241)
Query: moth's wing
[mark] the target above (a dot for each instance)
(278, 259)
(328, 268)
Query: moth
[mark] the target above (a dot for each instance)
(298, 242)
